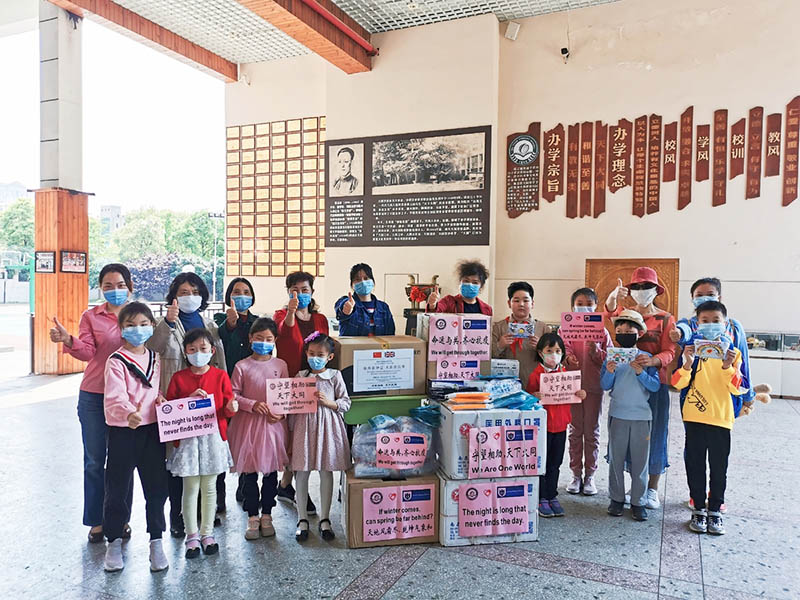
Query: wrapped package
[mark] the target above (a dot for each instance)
(364, 447)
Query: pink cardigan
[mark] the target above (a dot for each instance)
(124, 390)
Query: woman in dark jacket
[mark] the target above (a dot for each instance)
(361, 313)
(234, 325)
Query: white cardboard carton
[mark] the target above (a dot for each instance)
(452, 437)
(448, 514)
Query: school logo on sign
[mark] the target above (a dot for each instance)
(376, 497)
(523, 150)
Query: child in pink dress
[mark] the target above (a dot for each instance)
(319, 439)
(258, 439)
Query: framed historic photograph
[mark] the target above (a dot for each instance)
(73, 262)
(346, 166)
(45, 262)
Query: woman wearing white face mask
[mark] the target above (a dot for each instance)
(186, 299)
(643, 289)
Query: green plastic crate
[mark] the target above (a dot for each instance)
(365, 408)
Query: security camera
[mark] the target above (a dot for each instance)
(565, 54)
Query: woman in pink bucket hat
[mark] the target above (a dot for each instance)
(643, 290)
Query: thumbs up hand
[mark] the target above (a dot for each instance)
(172, 312)
(347, 307)
(293, 304)
(59, 334)
(674, 335)
(621, 291)
(433, 297)
(135, 418)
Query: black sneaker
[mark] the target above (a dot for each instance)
(615, 509)
(311, 509)
(286, 494)
(176, 528)
(639, 513)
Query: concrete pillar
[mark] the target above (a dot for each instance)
(60, 114)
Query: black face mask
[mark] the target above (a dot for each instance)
(627, 340)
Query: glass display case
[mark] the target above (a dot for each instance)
(765, 341)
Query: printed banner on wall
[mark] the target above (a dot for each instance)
(415, 189)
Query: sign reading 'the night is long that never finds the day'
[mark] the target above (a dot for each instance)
(415, 189)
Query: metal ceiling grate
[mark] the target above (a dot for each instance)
(386, 15)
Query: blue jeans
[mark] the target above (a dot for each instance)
(94, 433)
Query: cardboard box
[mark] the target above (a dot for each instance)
(452, 437)
(392, 365)
(423, 332)
(448, 513)
(353, 508)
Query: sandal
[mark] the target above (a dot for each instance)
(126, 532)
(96, 537)
(327, 534)
(210, 545)
(192, 546)
(301, 534)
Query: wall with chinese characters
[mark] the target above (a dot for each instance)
(632, 66)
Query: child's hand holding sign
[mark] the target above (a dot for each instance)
(730, 356)
(688, 357)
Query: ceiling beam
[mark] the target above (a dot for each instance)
(299, 20)
(151, 34)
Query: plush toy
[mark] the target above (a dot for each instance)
(763, 391)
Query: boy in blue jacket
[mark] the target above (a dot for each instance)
(629, 417)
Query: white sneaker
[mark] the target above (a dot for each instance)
(574, 486)
(113, 561)
(589, 488)
(158, 560)
(651, 499)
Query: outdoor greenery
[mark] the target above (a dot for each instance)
(154, 244)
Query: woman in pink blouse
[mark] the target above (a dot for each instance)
(98, 336)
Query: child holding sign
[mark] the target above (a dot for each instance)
(199, 460)
(319, 439)
(132, 376)
(550, 353)
(708, 416)
(584, 430)
(258, 438)
(629, 417)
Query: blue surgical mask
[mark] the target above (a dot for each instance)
(242, 303)
(317, 363)
(189, 304)
(199, 359)
(711, 331)
(263, 348)
(364, 288)
(470, 290)
(116, 297)
(136, 336)
(584, 309)
(703, 299)
(303, 300)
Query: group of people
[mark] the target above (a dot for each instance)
(135, 363)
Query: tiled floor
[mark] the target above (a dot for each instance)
(585, 555)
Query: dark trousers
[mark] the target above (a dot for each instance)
(94, 432)
(712, 443)
(269, 487)
(175, 491)
(548, 483)
(130, 449)
(221, 492)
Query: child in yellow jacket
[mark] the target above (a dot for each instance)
(708, 414)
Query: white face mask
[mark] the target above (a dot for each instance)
(189, 304)
(644, 297)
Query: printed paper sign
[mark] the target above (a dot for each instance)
(520, 330)
(401, 450)
(380, 370)
(398, 512)
(582, 327)
(466, 370)
(292, 396)
(560, 387)
(186, 418)
(492, 508)
(710, 349)
(505, 367)
(503, 451)
(622, 356)
(454, 336)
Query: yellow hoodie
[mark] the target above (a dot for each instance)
(708, 400)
